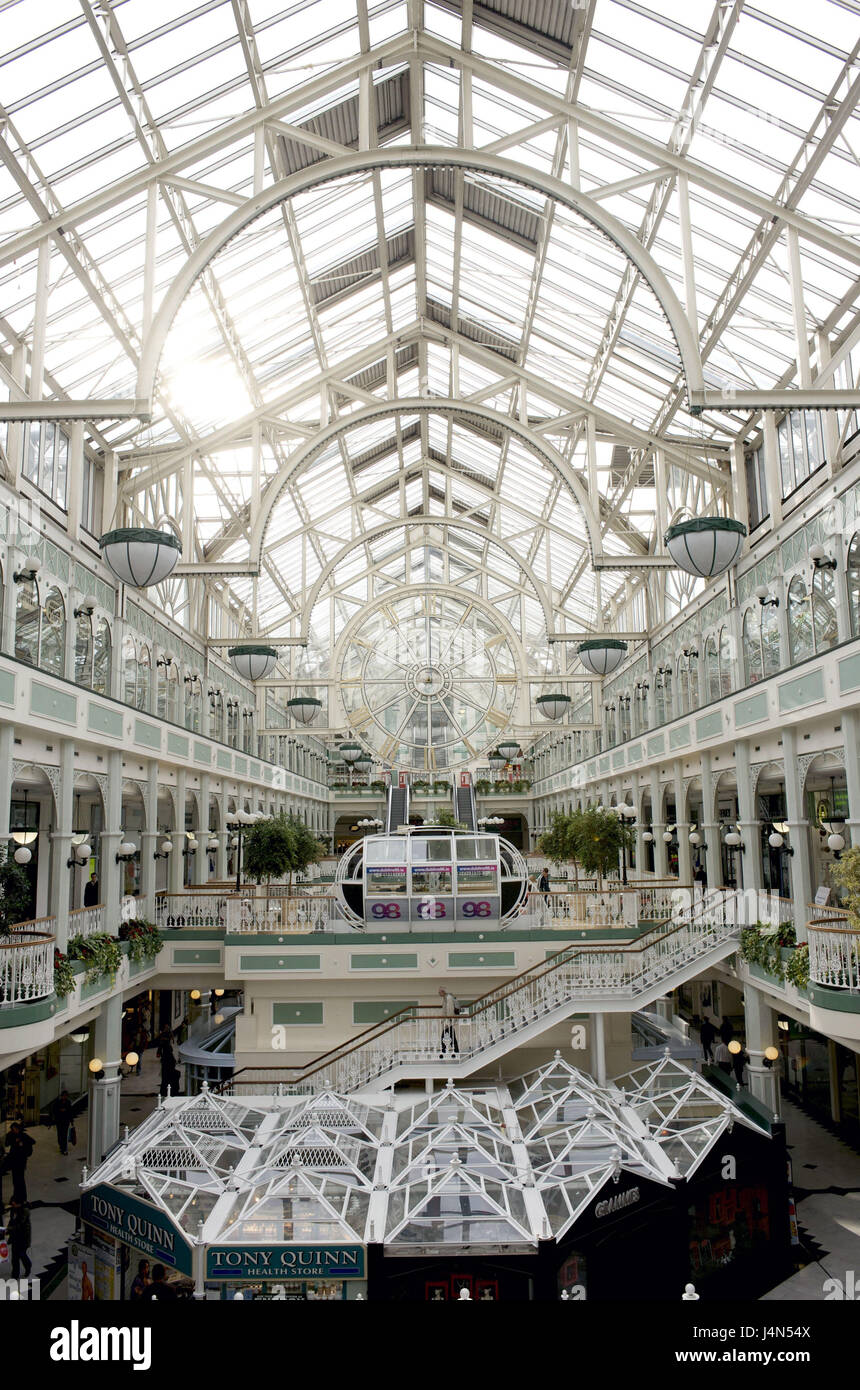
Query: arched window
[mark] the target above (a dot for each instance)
(727, 664)
(129, 671)
(624, 708)
(161, 670)
(84, 649)
(771, 657)
(247, 730)
(53, 649)
(799, 621)
(667, 691)
(28, 618)
(712, 669)
(233, 723)
(753, 667)
(144, 678)
(192, 702)
(825, 630)
(853, 577)
(102, 647)
(682, 684)
(173, 700)
(216, 715)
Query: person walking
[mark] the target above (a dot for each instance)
(723, 1057)
(20, 1146)
(727, 1031)
(543, 884)
(739, 1061)
(141, 1282)
(19, 1231)
(159, 1288)
(169, 1069)
(91, 891)
(450, 1008)
(64, 1113)
(707, 1033)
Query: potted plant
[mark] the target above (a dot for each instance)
(279, 848)
(483, 786)
(64, 975)
(144, 939)
(14, 892)
(100, 953)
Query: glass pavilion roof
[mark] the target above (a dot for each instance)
(505, 1166)
(422, 283)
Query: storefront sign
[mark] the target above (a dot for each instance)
(610, 1205)
(137, 1224)
(285, 1262)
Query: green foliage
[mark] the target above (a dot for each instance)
(64, 975)
(483, 786)
(278, 848)
(144, 939)
(762, 944)
(592, 839)
(377, 786)
(14, 892)
(557, 843)
(845, 872)
(100, 953)
(447, 818)
(441, 788)
(797, 967)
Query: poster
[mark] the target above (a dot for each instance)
(106, 1278)
(81, 1271)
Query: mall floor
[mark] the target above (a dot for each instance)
(826, 1184)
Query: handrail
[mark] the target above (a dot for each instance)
(30, 922)
(492, 998)
(34, 938)
(90, 907)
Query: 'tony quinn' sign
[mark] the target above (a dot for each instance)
(285, 1262)
(137, 1224)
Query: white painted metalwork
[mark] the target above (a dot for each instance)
(27, 963)
(834, 954)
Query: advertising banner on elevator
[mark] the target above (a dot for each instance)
(138, 1224)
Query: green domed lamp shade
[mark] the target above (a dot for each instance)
(253, 663)
(601, 655)
(304, 708)
(497, 760)
(706, 545)
(363, 762)
(139, 556)
(552, 706)
(351, 752)
(509, 748)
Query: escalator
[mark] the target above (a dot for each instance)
(465, 809)
(397, 811)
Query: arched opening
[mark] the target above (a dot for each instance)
(52, 652)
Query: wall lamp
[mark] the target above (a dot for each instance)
(29, 569)
(80, 855)
(191, 847)
(85, 608)
(820, 559)
(164, 661)
(164, 850)
(776, 840)
(126, 852)
(734, 842)
(690, 651)
(765, 599)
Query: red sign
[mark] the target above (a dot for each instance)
(402, 779)
(465, 779)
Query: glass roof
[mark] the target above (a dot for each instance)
(132, 130)
(504, 1165)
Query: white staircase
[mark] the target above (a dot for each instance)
(596, 978)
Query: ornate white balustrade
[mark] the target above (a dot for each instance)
(311, 913)
(576, 976)
(87, 921)
(611, 907)
(194, 911)
(27, 962)
(834, 953)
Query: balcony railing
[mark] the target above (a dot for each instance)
(87, 921)
(248, 912)
(27, 962)
(834, 952)
(612, 907)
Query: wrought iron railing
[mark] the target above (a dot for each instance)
(834, 953)
(27, 962)
(87, 921)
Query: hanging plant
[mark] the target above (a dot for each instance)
(760, 946)
(797, 967)
(100, 953)
(483, 786)
(144, 939)
(64, 975)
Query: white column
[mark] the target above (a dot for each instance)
(110, 876)
(177, 859)
(749, 861)
(598, 1050)
(76, 478)
(772, 474)
(710, 829)
(685, 868)
(761, 1032)
(802, 888)
(850, 720)
(200, 869)
(61, 845)
(658, 825)
(149, 842)
(103, 1121)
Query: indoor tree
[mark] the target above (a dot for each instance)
(14, 892)
(278, 848)
(598, 838)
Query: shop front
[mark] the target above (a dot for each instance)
(309, 1273)
(114, 1220)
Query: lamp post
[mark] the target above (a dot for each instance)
(240, 822)
(627, 814)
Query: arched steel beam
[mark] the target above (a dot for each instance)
(431, 405)
(403, 525)
(365, 161)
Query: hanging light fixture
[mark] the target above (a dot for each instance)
(497, 760)
(363, 763)
(351, 752)
(552, 706)
(705, 545)
(253, 663)
(509, 748)
(139, 556)
(601, 655)
(304, 708)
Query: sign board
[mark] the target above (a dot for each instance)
(82, 1263)
(285, 1261)
(108, 1267)
(138, 1224)
(821, 895)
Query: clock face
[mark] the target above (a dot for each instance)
(428, 680)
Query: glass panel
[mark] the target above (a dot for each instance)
(824, 609)
(799, 621)
(853, 577)
(753, 667)
(102, 658)
(84, 650)
(27, 621)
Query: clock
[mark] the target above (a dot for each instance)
(428, 679)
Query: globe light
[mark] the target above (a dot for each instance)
(771, 1053)
(733, 839)
(139, 556)
(552, 706)
(166, 847)
(253, 663)
(195, 994)
(80, 1035)
(667, 836)
(705, 545)
(83, 851)
(96, 1065)
(734, 1047)
(601, 656)
(647, 836)
(775, 840)
(131, 1059)
(219, 992)
(836, 843)
(695, 838)
(22, 855)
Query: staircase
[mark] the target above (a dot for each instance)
(397, 812)
(592, 979)
(464, 806)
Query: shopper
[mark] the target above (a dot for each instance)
(64, 1113)
(739, 1061)
(727, 1032)
(141, 1282)
(707, 1033)
(450, 1008)
(159, 1288)
(19, 1232)
(91, 891)
(20, 1146)
(169, 1069)
(543, 884)
(723, 1057)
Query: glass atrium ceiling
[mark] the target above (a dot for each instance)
(506, 1165)
(129, 117)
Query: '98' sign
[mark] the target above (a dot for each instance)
(386, 909)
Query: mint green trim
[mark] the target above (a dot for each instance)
(836, 1000)
(203, 753)
(299, 1014)
(137, 534)
(149, 735)
(204, 957)
(177, 744)
(751, 710)
(384, 961)
(709, 725)
(704, 523)
(20, 1015)
(680, 736)
(224, 760)
(251, 963)
(7, 688)
(252, 651)
(101, 720)
(478, 960)
(807, 689)
(599, 644)
(53, 704)
(366, 1011)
